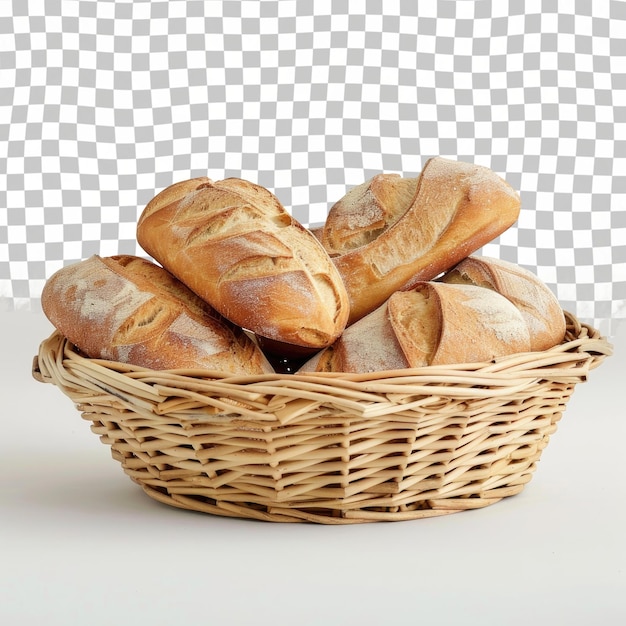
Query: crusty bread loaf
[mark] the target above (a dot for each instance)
(538, 305)
(128, 309)
(369, 345)
(430, 324)
(235, 245)
(366, 211)
(457, 208)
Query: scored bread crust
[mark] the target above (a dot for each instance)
(369, 345)
(430, 324)
(534, 299)
(474, 325)
(458, 207)
(235, 245)
(128, 309)
(366, 211)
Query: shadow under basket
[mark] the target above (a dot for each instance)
(328, 448)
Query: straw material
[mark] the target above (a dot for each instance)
(328, 448)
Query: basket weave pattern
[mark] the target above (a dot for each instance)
(328, 448)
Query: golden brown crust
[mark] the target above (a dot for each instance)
(416, 319)
(368, 345)
(431, 324)
(174, 192)
(128, 309)
(476, 325)
(458, 207)
(366, 211)
(538, 305)
(235, 245)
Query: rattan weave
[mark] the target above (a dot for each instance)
(329, 448)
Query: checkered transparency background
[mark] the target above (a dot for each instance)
(103, 104)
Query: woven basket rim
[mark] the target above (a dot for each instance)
(582, 342)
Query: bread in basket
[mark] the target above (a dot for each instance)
(330, 448)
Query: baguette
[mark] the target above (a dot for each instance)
(234, 244)
(456, 209)
(538, 305)
(366, 211)
(430, 324)
(127, 309)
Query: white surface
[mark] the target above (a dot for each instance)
(81, 544)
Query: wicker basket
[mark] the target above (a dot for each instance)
(328, 448)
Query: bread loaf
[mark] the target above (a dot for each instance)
(366, 211)
(457, 208)
(430, 324)
(538, 305)
(128, 309)
(235, 245)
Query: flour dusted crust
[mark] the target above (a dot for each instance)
(538, 305)
(431, 324)
(128, 309)
(234, 244)
(457, 208)
(369, 345)
(366, 211)
(475, 325)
